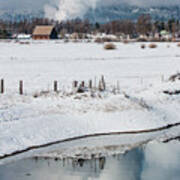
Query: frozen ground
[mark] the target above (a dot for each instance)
(27, 121)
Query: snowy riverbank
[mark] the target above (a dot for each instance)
(27, 121)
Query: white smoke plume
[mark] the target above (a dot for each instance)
(69, 9)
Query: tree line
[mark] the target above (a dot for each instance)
(144, 25)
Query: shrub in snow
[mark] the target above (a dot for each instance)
(174, 77)
(142, 39)
(66, 40)
(41, 93)
(125, 41)
(75, 41)
(81, 89)
(152, 46)
(109, 46)
(178, 44)
(107, 39)
(155, 40)
(88, 41)
(143, 46)
(99, 40)
(26, 43)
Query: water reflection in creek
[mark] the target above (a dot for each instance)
(158, 161)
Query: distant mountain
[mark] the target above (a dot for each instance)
(100, 14)
(105, 14)
(17, 15)
(21, 9)
(22, 4)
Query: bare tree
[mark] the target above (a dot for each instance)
(144, 24)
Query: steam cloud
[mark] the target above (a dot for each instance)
(70, 9)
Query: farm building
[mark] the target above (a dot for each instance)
(22, 36)
(44, 33)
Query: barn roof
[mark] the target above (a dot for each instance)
(43, 30)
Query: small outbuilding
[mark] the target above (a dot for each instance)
(23, 36)
(44, 33)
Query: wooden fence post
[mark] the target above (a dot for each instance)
(100, 86)
(90, 84)
(103, 83)
(21, 87)
(82, 84)
(55, 86)
(75, 84)
(2, 86)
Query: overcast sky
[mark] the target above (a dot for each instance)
(146, 2)
(4, 4)
(13, 4)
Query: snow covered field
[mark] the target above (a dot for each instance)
(27, 121)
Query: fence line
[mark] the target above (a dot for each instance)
(90, 85)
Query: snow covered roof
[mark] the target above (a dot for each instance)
(43, 30)
(23, 36)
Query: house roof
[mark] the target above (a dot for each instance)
(164, 32)
(43, 30)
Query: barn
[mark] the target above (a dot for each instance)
(44, 33)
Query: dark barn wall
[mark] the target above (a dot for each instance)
(54, 34)
(40, 37)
